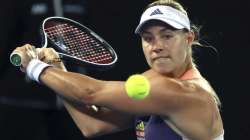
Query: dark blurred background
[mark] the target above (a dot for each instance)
(32, 112)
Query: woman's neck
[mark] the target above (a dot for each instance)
(182, 69)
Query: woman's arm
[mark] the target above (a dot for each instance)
(165, 93)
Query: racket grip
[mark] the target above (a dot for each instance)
(16, 59)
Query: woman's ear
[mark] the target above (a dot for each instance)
(190, 38)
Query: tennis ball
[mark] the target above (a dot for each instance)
(137, 86)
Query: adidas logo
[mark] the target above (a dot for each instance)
(156, 12)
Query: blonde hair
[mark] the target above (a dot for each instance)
(171, 3)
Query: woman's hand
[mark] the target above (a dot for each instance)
(51, 57)
(27, 53)
(47, 55)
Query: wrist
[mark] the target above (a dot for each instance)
(35, 69)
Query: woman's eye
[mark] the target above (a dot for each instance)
(167, 36)
(147, 39)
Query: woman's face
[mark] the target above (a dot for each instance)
(165, 49)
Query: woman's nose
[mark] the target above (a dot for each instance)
(157, 46)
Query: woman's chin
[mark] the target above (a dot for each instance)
(162, 69)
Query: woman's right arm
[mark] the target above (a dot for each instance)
(95, 123)
(91, 122)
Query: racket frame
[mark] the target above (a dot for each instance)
(64, 56)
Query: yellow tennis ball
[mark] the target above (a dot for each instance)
(137, 86)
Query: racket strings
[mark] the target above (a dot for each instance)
(79, 44)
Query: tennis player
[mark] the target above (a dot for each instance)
(181, 104)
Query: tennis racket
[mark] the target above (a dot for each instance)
(74, 43)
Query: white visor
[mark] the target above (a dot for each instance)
(166, 14)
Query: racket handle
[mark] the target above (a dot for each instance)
(16, 59)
